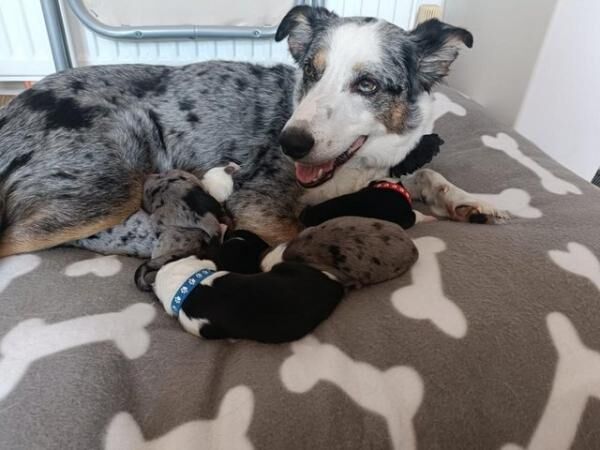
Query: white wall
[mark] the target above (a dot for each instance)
(561, 109)
(508, 36)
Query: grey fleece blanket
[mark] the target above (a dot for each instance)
(492, 341)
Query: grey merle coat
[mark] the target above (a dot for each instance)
(75, 149)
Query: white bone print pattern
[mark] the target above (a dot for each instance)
(579, 260)
(13, 267)
(550, 182)
(424, 299)
(34, 339)
(227, 431)
(577, 378)
(515, 201)
(395, 394)
(442, 105)
(102, 266)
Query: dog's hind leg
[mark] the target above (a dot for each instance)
(56, 221)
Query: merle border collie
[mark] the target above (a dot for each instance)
(75, 149)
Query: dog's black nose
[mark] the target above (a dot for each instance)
(296, 142)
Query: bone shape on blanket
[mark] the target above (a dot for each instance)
(34, 339)
(550, 182)
(442, 105)
(229, 430)
(515, 201)
(102, 266)
(578, 260)
(577, 378)
(16, 266)
(395, 393)
(424, 299)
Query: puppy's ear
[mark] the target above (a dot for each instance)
(299, 26)
(437, 45)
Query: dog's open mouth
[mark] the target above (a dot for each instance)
(310, 176)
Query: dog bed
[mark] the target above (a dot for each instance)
(492, 341)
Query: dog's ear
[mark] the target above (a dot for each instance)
(437, 45)
(299, 26)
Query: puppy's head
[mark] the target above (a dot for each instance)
(160, 188)
(361, 98)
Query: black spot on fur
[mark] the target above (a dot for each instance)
(192, 118)
(156, 84)
(241, 84)
(375, 261)
(61, 112)
(202, 72)
(15, 164)
(63, 175)
(258, 118)
(257, 71)
(187, 104)
(377, 225)
(89, 156)
(336, 253)
(64, 196)
(204, 91)
(77, 85)
(225, 77)
(3, 121)
(155, 118)
(359, 241)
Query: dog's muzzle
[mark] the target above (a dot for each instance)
(296, 142)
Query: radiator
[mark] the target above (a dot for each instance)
(24, 49)
(25, 53)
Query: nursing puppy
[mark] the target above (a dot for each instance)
(302, 281)
(186, 214)
(281, 305)
(302, 284)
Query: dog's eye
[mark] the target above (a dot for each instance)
(367, 86)
(310, 71)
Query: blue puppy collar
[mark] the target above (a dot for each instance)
(186, 288)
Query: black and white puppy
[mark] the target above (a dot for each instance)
(302, 283)
(281, 305)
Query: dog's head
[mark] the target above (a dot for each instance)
(362, 98)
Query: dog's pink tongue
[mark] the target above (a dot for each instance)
(307, 174)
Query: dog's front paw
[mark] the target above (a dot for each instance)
(477, 211)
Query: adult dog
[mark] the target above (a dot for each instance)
(76, 147)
